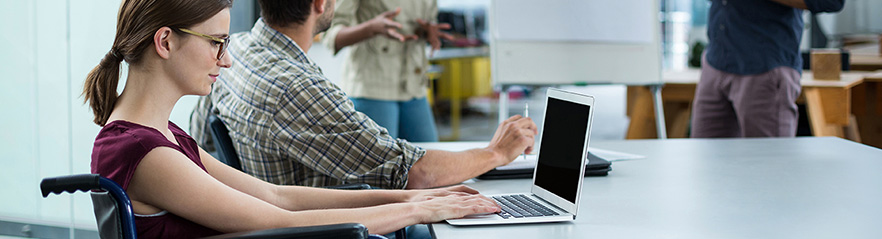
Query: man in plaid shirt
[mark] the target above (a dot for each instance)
(292, 126)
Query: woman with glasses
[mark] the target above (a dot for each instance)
(176, 48)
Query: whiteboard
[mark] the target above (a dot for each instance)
(559, 42)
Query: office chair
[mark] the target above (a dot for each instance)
(223, 143)
(227, 154)
(116, 219)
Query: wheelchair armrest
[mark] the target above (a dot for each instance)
(345, 230)
(70, 184)
(351, 186)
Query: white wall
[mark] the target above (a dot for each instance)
(332, 65)
(46, 49)
(857, 17)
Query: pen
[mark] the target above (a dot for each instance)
(526, 115)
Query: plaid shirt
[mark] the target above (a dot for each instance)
(291, 126)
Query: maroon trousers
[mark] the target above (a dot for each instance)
(731, 105)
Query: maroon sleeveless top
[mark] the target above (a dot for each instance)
(119, 148)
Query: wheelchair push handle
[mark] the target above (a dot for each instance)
(70, 184)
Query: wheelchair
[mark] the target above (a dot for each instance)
(116, 219)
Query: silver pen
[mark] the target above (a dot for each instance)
(526, 115)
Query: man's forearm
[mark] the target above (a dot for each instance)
(513, 137)
(441, 168)
(815, 6)
(792, 3)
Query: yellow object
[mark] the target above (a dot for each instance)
(461, 78)
(472, 74)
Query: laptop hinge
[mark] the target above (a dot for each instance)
(552, 204)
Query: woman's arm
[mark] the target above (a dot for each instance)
(292, 197)
(381, 24)
(296, 197)
(166, 180)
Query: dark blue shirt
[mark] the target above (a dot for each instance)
(754, 36)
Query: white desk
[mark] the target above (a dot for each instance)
(822, 187)
(829, 105)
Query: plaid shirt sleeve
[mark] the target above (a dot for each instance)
(317, 126)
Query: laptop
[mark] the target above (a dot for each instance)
(557, 178)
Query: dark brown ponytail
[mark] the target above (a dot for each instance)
(136, 23)
(100, 88)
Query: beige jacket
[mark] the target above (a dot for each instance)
(381, 68)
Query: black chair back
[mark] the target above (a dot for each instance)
(227, 154)
(223, 143)
(107, 215)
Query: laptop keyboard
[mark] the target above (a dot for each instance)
(518, 206)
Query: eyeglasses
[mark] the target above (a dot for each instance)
(222, 41)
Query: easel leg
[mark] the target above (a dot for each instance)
(659, 112)
(456, 70)
(503, 104)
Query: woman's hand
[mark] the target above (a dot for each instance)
(450, 202)
(426, 194)
(385, 25)
(433, 34)
(455, 205)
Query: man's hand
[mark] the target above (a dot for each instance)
(432, 32)
(514, 136)
(383, 24)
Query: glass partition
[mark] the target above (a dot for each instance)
(46, 50)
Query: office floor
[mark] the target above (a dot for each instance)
(479, 119)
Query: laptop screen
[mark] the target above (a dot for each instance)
(563, 142)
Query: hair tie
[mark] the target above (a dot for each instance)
(116, 55)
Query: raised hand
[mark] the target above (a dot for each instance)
(433, 34)
(384, 24)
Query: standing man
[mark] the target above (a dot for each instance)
(385, 73)
(292, 126)
(751, 71)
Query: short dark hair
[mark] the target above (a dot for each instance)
(283, 12)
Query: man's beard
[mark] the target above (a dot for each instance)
(324, 21)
